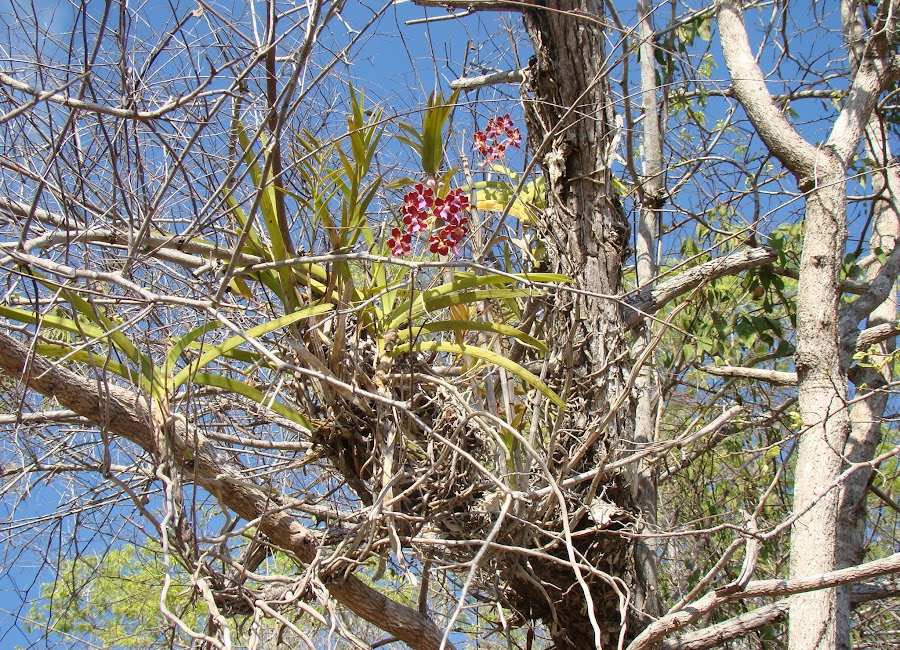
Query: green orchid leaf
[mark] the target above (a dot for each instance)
(101, 362)
(214, 352)
(269, 212)
(240, 388)
(437, 113)
(433, 304)
(429, 300)
(108, 329)
(185, 341)
(480, 326)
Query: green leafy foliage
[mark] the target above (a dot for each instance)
(112, 600)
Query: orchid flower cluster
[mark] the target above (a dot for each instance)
(425, 210)
(500, 134)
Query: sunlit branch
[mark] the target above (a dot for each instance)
(649, 301)
(473, 83)
(120, 113)
(759, 589)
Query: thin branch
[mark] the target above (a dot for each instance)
(477, 5)
(846, 284)
(120, 113)
(715, 636)
(760, 589)
(776, 377)
(41, 416)
(885, 497)
(473, 83)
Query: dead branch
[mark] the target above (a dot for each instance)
(129, 415)
(473, 83)
(650, 300)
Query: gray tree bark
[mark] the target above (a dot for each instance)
(651, 193)
(866, 415)
(817, 619)
(571, 130)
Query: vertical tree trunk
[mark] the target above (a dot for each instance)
(570, 127)
(866, 415)
(816, 618)
(823, 407)
(651, 193)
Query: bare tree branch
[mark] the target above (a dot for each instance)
(878, 290)
(649, 301)
(733, 628)
(776, 377)
(715, 636)
(121, 113)
(762, 588)
(129, 415)
(750, 87)
(473, 83)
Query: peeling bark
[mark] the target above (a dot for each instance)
(585, 231)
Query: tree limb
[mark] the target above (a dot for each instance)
(650, 300)
(758, 589)
(877, 292)
(130, 415)
(749, 85)
(473, 83)
(863, 341)
(776, 377)
(120, 113)
(478, 5)
(715, 636)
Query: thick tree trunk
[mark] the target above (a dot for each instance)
(823, 406)
(817, 619)
(570, 127)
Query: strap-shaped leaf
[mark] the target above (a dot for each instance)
(463, 325)
(434, 303)
(213, 352)
(106, 328)
(99, 361)
(240, 388)
(184, 342)
(269, 211)
(491, 357)
(431, 299)
(435, 118)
